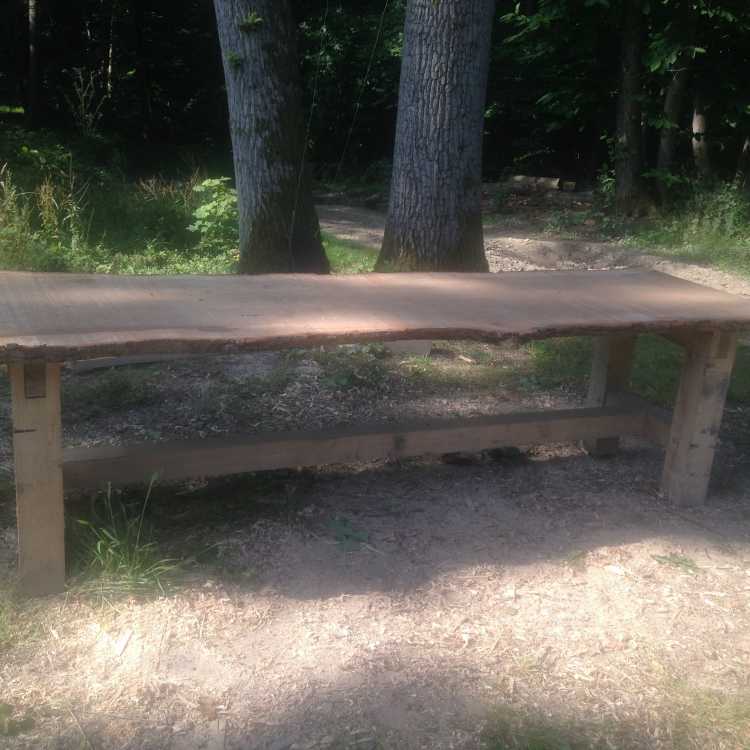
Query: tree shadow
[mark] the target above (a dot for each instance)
(395, 527)
(433, 706)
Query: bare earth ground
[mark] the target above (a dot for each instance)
(539, 600)
(523, 242)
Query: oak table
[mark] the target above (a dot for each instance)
(49, 319)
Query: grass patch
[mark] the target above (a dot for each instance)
(12, 724)
(451, 367)
(62, 210)
(681, 562)
(515, 730)
(460, 365)
(113, 550)
(712, 227)
(668, 240)
(566, 363)
(349, 257)
(693, 718)
(703, 717)
(354, 366)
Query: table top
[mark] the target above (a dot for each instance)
(61, 317)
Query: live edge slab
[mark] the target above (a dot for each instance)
(47, 320)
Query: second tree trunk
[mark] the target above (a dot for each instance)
(279, 229)
(629, 147)
(435, 215)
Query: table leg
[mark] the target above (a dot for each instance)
(697, 416)
(610, 376)
(37, 447)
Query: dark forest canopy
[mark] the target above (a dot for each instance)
(155, 68)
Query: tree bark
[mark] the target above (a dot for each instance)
(142, 68)
(279, 230)
(435, 214)
(674, 106)
(629, 146)
(701, 150)
(32, 86)
(742, 178)
(108, 66)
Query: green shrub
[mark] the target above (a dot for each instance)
(722, 211)
(215, 218)
(711, 227)
(45, 229)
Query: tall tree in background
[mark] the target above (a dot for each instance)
(279, 230)
(435, 215)
(674, 105)
(629, 137)
(701, 150)
(32, 85)
(742, 175)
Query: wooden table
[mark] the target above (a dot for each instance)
(49, 319)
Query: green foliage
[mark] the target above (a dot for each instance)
(251, 21)
(114, 550)
(349, 257)
(234, 59)
(59, 211)
(681, 562)
(514, 730)
(355, 366)
(565, 363)
(43, 230)
(356, 62)
(721, 212)
(86, 100)
(215, 217)
(711, 227)
(11, 726)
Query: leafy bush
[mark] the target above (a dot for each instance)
(42, 230)
(722, 211)
(215, 219)
(712, 227)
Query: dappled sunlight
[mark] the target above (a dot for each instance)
(423, 604)
(91, 314)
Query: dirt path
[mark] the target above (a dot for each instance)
(507, 250)
(540, 599)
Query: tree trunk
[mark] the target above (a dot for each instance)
(279, 230)
(674, 105)
(435, 214)
(742, 179)
(110, 56)
(629, 146)
(701, 151)
(32, 86)
(142, 70)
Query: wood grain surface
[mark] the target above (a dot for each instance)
(61, 317)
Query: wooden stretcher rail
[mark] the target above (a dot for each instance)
(96, 467)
